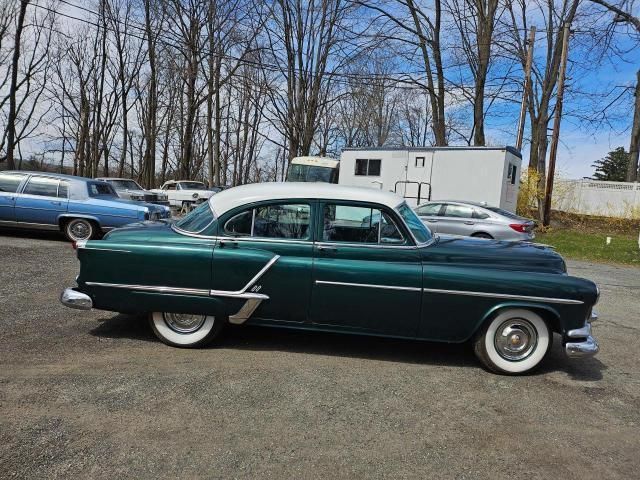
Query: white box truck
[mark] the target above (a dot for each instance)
(477, 174)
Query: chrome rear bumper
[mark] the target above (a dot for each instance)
(73, 299)
(588, 347)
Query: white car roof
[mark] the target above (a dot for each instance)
(234, 197)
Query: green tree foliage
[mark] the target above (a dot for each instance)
(613, 167)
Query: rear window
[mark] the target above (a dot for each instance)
(504, 213)
(100, 188)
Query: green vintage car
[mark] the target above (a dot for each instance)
(340, 259)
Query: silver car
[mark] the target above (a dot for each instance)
(131, 190)
(471, 219)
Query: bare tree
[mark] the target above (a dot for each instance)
(622, 15)
(476, 21)
(309, 34)
(545, 72)
(422, 31)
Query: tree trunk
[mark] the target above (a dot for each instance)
(11, 120)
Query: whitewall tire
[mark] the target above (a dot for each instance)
(514, 342)
(185, 330)
(78, 229)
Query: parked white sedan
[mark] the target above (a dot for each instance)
(185, 193)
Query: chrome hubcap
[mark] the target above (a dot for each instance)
(80, 230)
(183, 322)
(515, 339)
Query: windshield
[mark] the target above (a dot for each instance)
(310, 173)
(192, 186)
(197, 220)
(125, 185)
(419, 230)
(101, 188)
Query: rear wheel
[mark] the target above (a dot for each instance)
(185, 329)
(514, 342)
(78, 229)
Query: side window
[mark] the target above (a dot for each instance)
(282, 221)
(351, 224)
(368, 167)
(63, 189)
(240, 225)
(43, 186)
(10, 183)
(458, 211)
(429, 210)
(271, 221)
(345, 223)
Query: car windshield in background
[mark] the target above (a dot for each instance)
(309, 173)
(101, 189)
(192, 186)
(504, 213)
(125, 185)
(197, 220)
(418, 229)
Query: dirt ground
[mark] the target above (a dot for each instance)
(95, 395)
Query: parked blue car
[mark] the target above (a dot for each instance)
(82, 208)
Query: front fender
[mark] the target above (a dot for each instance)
(550, 314)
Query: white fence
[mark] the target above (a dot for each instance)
(592, 197)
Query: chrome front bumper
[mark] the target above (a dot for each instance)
(73, 299)
(588, 347)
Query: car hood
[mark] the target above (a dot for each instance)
(128, 204)
(524, 256)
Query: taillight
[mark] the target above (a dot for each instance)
(519, 227)
(74, 245)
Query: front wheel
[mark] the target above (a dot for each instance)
(184, 329)
(514, 342)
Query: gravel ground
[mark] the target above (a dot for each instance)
(95, 395)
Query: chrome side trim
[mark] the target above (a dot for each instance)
(73, 299)
(197, 291)
(247, 310)
(153, 288)
(369, 285)
(567, 301)
(105, 249)
(229, 293)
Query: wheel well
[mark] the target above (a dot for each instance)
(476, 234)
(550, 317)
(62, 222)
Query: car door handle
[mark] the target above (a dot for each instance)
(432, 221)
(326, 248)
(56, 203)
(469, 223)
(228, 243)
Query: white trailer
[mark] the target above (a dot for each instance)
(478, 174)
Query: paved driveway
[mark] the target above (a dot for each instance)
(94, 395)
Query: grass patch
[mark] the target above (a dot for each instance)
(592, 246)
